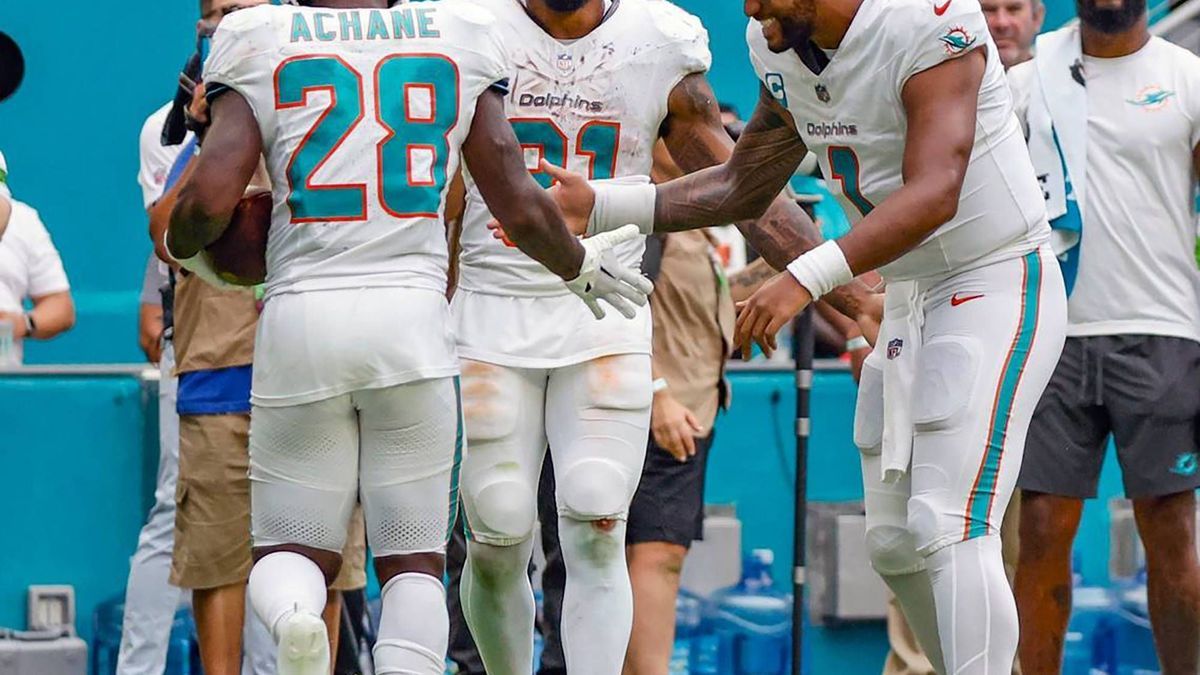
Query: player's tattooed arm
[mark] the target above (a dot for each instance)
(219, 176)
(742, 185)
(530, 218)
(697, 140)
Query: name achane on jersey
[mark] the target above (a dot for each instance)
(394, 24)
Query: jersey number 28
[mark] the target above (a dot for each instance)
(416, 103)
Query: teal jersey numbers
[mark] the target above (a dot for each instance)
(416, 103)
(597, 141)
(295, 79)
(844, 165)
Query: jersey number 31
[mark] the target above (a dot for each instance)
(416, 103)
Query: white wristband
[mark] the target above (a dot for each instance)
(856, 343)
(619, 203)
(822, 269)
(660, 384)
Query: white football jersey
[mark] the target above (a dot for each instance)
(594, 105)
(852, 117)
(363, 113)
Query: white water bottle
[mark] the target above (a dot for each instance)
(6, 342)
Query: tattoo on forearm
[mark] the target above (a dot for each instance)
(762, 163)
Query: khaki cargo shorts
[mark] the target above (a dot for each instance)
(212, 517)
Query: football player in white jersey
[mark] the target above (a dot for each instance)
(361, 113)
(905, 104)
(594, 84)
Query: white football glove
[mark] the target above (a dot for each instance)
(603, 277)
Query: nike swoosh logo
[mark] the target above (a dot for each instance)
(956, 300)
(941, 9)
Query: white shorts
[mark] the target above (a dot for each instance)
(396, 449)
(989, 342)
(596, 418)
(321, 344)
(543, 332)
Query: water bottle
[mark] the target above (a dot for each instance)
(1088, 645)
(752, 622)
(1134, 641)
(106, 630)
(7, 346)
(688, 618)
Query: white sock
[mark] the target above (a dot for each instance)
(414, 628)
(283, 583)
(977, 615)
(597, 614)
(498, 604)
(914, 592)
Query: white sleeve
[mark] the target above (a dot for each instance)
(1021, 79)
(685, 43)
(154, 159)
(46, 274)
(927, 38)
(1190, 67)
(153, 280)
(240, 56)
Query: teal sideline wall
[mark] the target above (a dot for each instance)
(76, 481)
(70, 136)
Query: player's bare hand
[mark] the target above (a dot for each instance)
(197, 110)
(871, 317)
(768, 310)
(575, 198)
(674, 427)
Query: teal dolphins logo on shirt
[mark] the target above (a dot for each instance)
(1186, 464)
(1153, 97)
(957, 40)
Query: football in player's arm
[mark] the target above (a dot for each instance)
(940, 104)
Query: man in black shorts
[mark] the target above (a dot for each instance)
(1126, 113)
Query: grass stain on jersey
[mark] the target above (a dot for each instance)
(406, 23)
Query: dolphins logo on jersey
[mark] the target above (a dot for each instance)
(957, 40)
(774, 82)
(1151, 98)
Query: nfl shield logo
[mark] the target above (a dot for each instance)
(565, 62)
(895, 346)
(823, 94)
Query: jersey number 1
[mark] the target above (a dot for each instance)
(416, 102)
(843, 164)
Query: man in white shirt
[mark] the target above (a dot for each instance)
(30, 268)
(150, 600)
(1131, 364)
